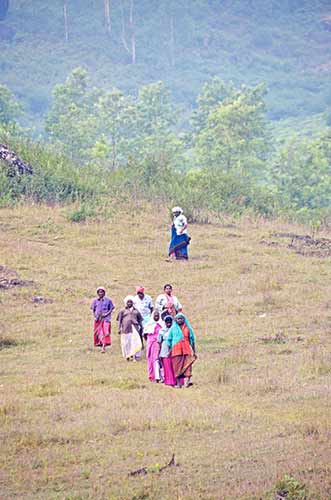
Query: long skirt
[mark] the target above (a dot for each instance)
(102, 331)
(168, 371)
(182, 365)
(131, 344)
(152, 353)
(178, 244)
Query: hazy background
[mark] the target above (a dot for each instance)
(231, 99)
(285, 43)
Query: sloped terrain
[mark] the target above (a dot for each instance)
(78, 424)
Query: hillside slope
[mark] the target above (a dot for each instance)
(75, 423)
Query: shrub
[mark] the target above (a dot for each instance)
(81, 213)
(290, 488)
(55, 178)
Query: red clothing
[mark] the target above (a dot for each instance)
(102, 332)
(184, 346)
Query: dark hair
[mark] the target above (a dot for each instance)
(165, 286)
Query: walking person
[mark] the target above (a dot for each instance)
(102, 308)
(181, 342)
(151, 332)
(164, 355)
(168, 302)
(143, 303)
(179, 237)
(130, 328)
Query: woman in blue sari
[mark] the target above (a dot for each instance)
(179, 237)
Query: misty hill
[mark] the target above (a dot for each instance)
(129, 43)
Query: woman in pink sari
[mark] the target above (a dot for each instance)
(166, 360)
(151, 332)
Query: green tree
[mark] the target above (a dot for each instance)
(156, 136)
(235, 134)
(116, 124)
(71, 120)
(155, 150)
(155, 109)
(302, 174)
(10, 109)
(212, 95)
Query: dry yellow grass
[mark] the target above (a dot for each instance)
(74, 423)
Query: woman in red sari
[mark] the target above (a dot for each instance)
(181, 342)
(102, 308)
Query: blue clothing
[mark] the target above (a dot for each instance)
(102, 306)
(162, 340)
(178, 244)
(175, 334)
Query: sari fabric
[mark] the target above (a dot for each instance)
(130, 323)
(178, 244)
(181, 341)
(152, 330)
(131, 344)
(182, 365)
(168, 371)
(102, 331)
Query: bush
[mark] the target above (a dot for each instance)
(290, 488)
(81, 214)
(54, 179)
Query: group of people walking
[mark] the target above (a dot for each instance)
(169, 338)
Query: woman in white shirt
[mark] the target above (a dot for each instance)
(168, 302)
(179, 237)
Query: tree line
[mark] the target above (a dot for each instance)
(221, 158)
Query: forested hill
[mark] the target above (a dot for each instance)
(130, 43)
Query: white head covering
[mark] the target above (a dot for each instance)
(128, 297)
(177, 209)
(101, 288)
(150, 325)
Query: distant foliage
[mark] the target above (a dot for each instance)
(302, 175)
(108, 127)
(128, 43)
(10, 108)
(232, 131)
(106, 143)
(4, 6)
(71, 120)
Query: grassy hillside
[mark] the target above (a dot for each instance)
(75, 423)
(285, 44)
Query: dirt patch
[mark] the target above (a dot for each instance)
(7, 342)
(41, 300)
(279, 338)
(302, 244)
(9, 279)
